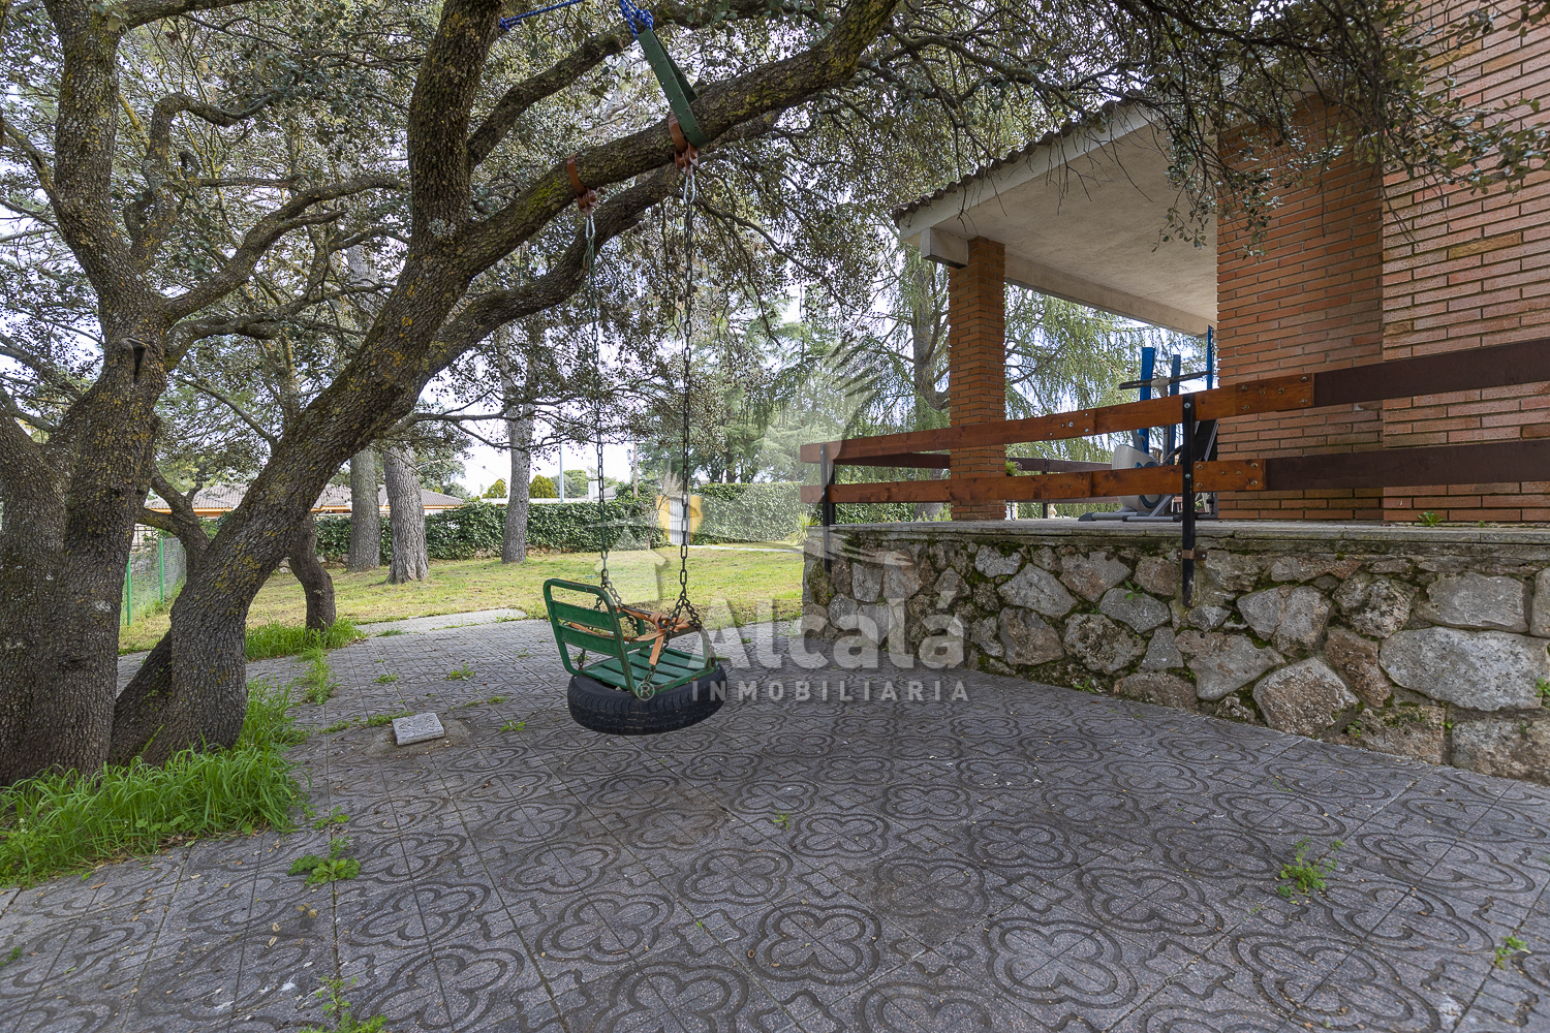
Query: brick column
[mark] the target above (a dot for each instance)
(976, 364)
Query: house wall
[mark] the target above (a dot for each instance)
(1304, 295)
(1359, 268)
(1466, 270)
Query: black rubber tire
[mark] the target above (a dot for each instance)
(615, 712)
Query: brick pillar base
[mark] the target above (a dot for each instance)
(976, 363)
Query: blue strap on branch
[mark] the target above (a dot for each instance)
(509, 22)
(675, 85)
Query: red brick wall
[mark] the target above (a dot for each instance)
(976, 364)
(1306, 294)
(1465, 270)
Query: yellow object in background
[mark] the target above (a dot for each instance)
(669, 520)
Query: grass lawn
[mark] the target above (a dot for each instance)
(720, 580)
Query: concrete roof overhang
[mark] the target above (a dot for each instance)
(1082, 214)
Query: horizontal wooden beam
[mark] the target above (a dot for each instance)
(1493, 462)
(1470, 369)
(941, 461)
(1232, 475)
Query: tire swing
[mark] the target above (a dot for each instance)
(638, 684)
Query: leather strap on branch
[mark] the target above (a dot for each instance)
(687, 155)
(586, 198)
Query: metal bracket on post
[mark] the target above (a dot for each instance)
(1188, 554)
(825, 506)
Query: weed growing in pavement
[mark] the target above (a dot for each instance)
(459, 673)
(782, 820)
(513, 726)
(337, 818)
(386, 679)
(378, 720)
(1429, 519)
(389, 633)
(338, 1009)
(337, 726)
(337, 865)
(1510, 946)
(1307, 875)
(316, 683)
(16, 952)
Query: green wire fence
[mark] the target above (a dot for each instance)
(156, 569)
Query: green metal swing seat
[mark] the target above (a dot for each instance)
(627, 640)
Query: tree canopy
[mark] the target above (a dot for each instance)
(376, 190)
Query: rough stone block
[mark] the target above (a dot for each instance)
(1162, 653)
(866, 582)
(1471, 600)
(1356, 660)
(948, 587)
(901, 579)
(1165, 690)
(1028, 640)
(1233, 573)
(1224, 663)
(991, 563)
(1037, 589)
(417, 728)
(1292, 618)
(1306, 568)
(1306, 697)
(1158, 576)
(1503, 746)
(1091, 576)
(1375, 606)
(1100, 643)
(984, 633)
(1137, 609)
(1410, 731)
(1539, 619)
(1482, 670)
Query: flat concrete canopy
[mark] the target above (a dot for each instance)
(1082, 213)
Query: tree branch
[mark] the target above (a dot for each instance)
(289, 216)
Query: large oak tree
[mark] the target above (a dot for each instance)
(812, 107)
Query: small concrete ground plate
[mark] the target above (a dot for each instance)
(417, 728)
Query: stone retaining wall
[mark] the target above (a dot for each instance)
(1424, 642)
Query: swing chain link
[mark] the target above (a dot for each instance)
(690, 192)
(597, 409)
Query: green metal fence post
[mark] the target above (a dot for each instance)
(161, 565)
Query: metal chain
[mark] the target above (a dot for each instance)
(597, 410)
(683, 603)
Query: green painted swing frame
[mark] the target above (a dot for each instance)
(626, 659)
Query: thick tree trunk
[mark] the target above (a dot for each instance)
(406, 513)
(70, 513)
(314, 579)
(365, 513)
(519, 432)
(197, 696)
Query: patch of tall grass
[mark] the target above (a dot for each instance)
(66, 823)
(316, 682)
(271, 640)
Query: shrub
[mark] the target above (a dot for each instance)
(542, 488)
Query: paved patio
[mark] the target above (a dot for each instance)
(1031, 859)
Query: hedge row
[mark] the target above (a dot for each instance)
(465, 532)
(730, 513)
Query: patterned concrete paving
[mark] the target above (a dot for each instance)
(1029, 859)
